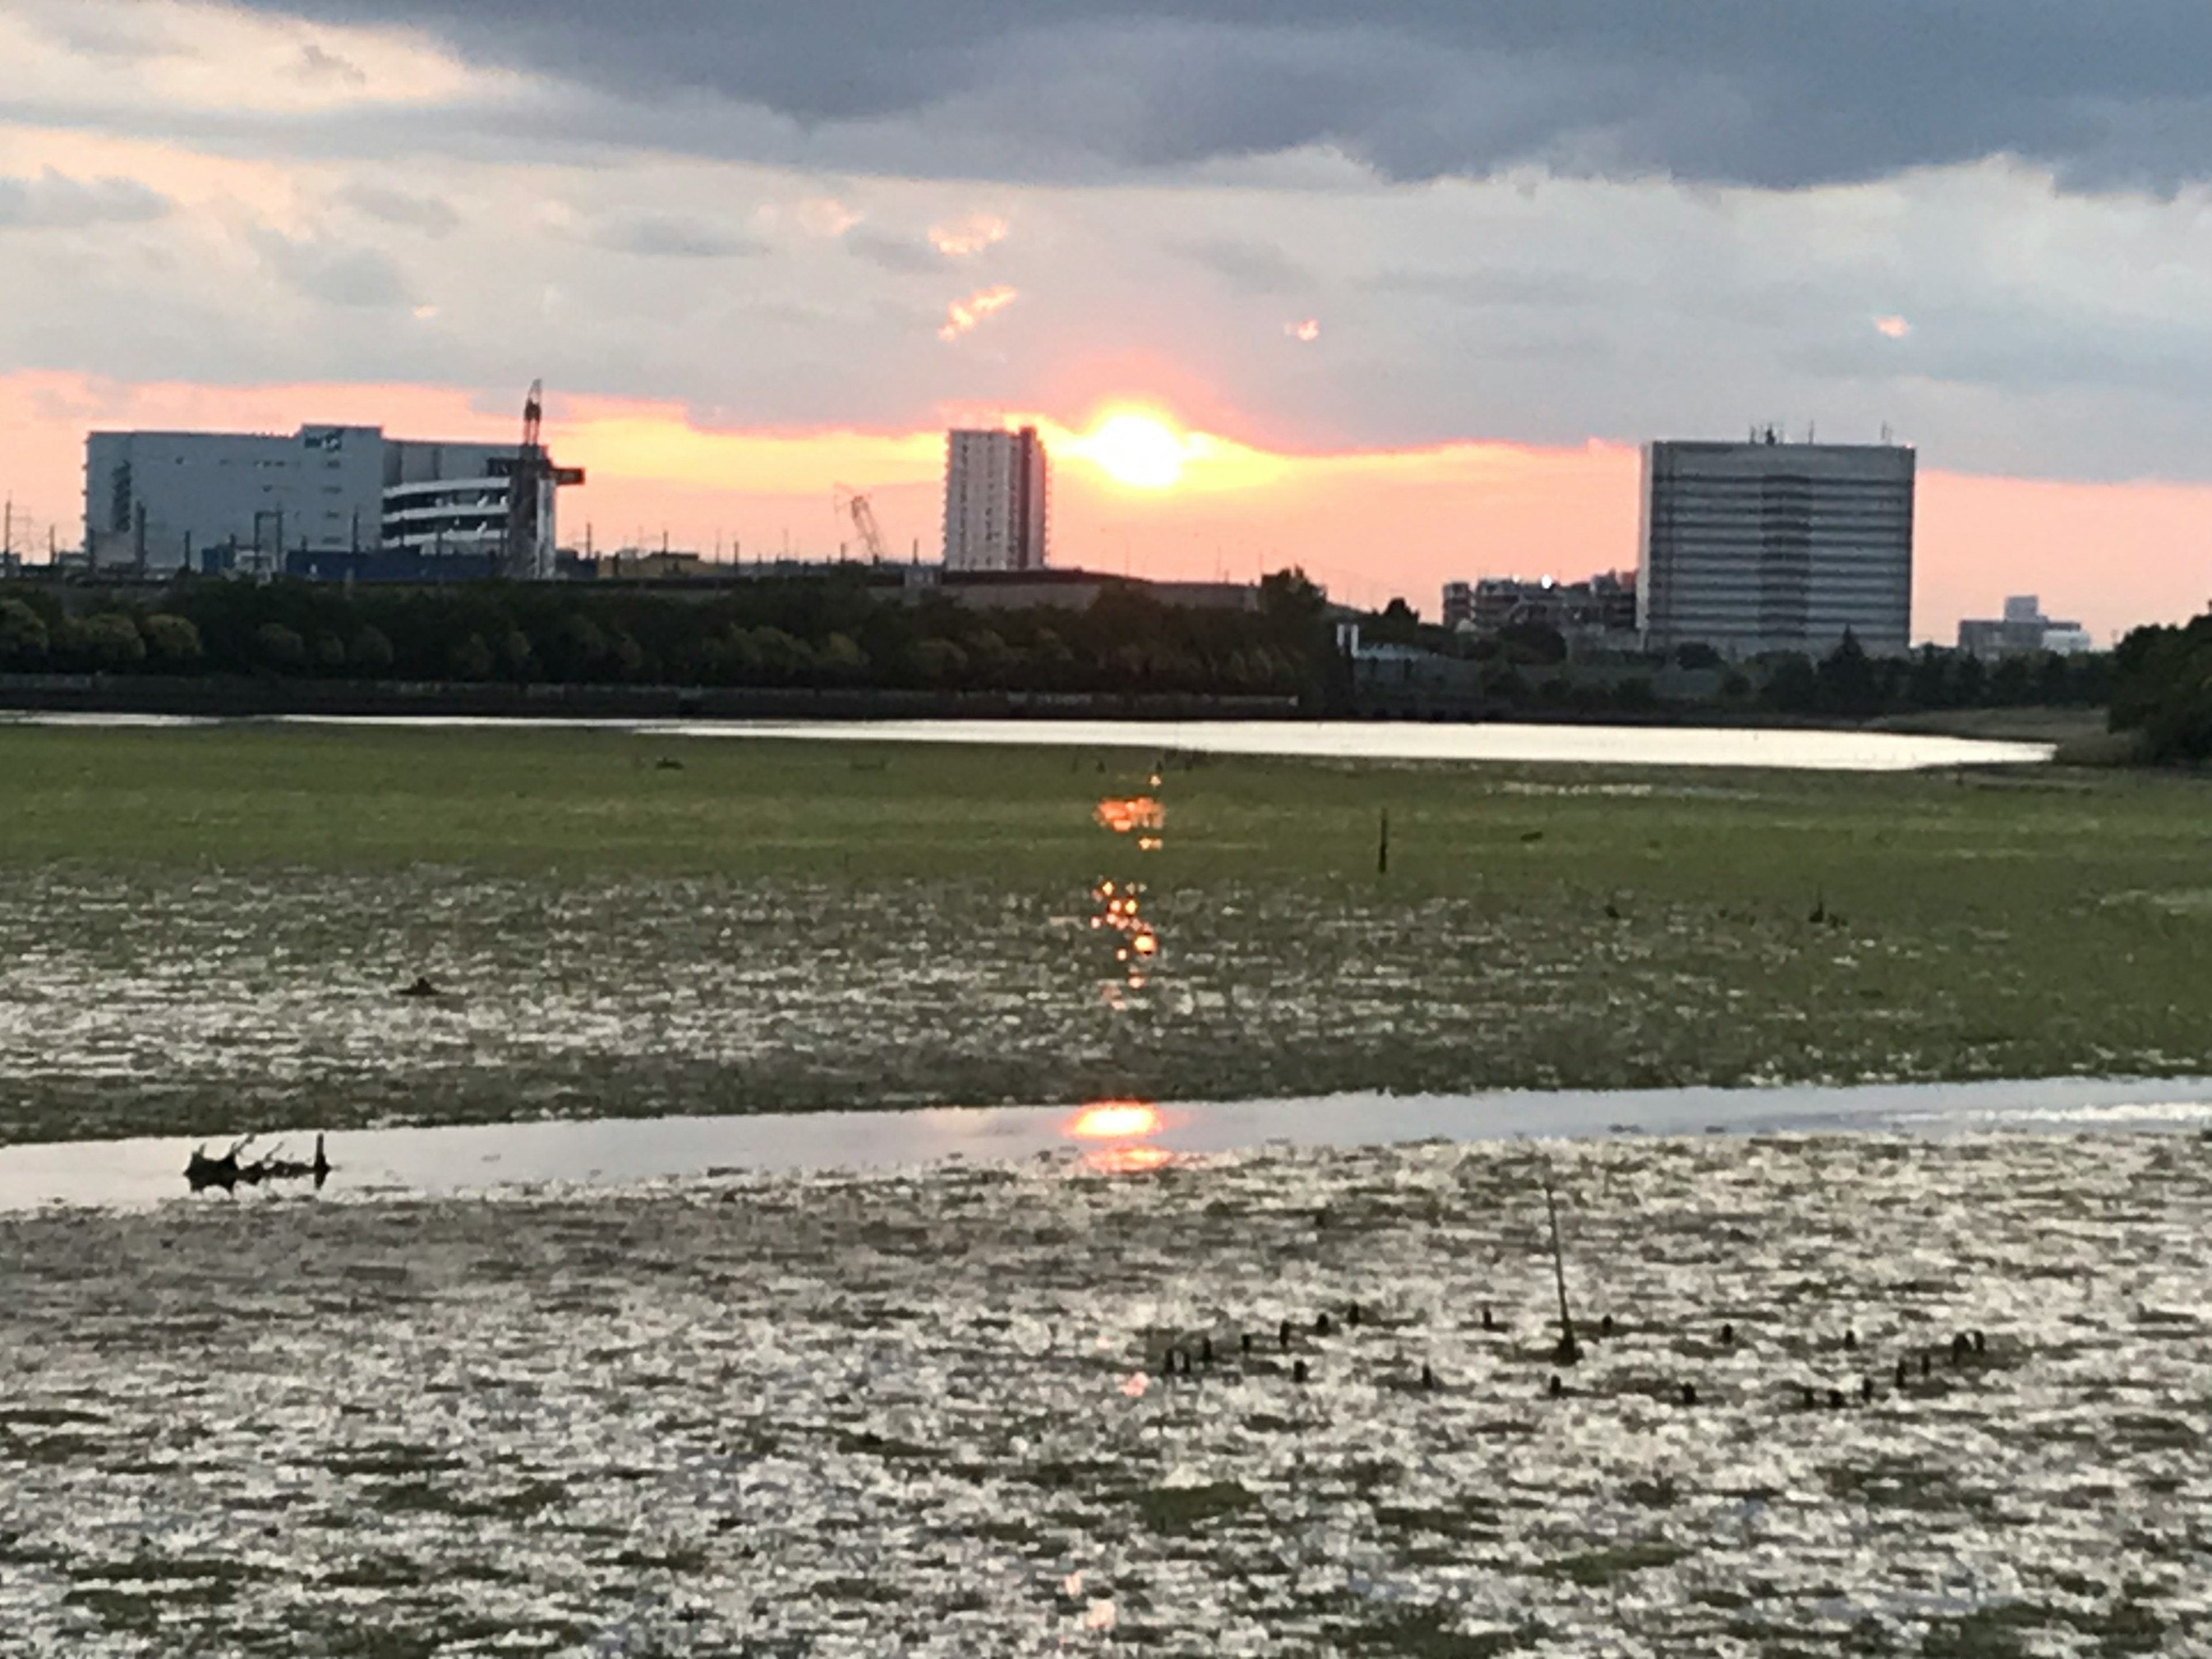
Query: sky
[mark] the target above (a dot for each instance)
(1392, 289)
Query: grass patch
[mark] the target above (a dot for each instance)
(805, 933)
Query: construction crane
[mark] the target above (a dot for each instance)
(845, 501)
(528, 499)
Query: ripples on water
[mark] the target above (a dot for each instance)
(927, 1414)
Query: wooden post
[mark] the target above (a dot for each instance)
(1568, 1350)
(1382, 846)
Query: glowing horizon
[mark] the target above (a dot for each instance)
(1137, 490)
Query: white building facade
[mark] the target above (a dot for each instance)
(249, 502)
(997, 487)
(161, 500)
(1772, 546)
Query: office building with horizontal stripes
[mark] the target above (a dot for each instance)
(1768, 546)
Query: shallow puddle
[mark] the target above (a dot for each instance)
(1114, 1135)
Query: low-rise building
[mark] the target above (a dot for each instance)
(2022, 631)
(1604, 603)
(262, 504)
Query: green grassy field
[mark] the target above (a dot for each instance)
(198, 924)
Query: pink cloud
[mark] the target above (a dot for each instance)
(962, 316)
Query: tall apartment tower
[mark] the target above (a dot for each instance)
(995, 488)
(1773, 546)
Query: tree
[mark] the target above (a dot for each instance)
(1930, 685)
(1846, 680)
(576, 648)
(842, 658)
(939, 662)
(1696, 653)
(470, 659)
(23, 637)
(2011, 682)
(992, 658)
(1051, 657)
(107, 642)
(330, 653)
(1793, 684)
(516, 658)
(172, 641)
(370, 652)
(1533, 643)
(782, 656)
(280, 648)
(1397, 625)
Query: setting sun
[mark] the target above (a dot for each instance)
(1135, 450)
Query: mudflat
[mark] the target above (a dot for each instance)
(946, 1412)
(208, 930)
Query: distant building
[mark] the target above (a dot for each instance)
(996, 489)
(1604, 605)
(2023, 630)
(449, 501)
(1772, 546)
(257, 504)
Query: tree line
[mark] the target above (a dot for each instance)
(2162, 690)
(818, 632)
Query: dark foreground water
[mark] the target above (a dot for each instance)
(932, 1410)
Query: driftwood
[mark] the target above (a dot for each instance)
(233, 1169)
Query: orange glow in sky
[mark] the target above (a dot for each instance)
(1135, 492)
(1137, 450)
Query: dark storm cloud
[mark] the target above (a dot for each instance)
(2107, 91)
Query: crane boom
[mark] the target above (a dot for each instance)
(525, 551)
(863, 514)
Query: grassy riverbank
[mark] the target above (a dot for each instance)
(206, 927)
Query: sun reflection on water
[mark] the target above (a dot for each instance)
(1126, 818)
(1141, 818)
(1116, 1120)
(1126, 1123)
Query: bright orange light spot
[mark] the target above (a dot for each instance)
(1138, 451)
(1125, 817)
(1116, 1120)
(1145, 944)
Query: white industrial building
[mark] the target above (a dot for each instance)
(1773, 546)
(2023, 630)
(255, 503)
(996, 488)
